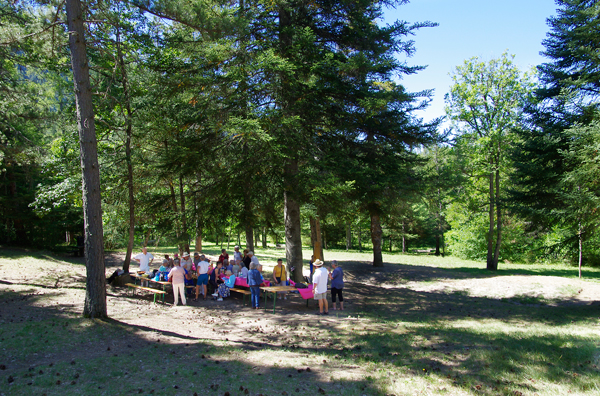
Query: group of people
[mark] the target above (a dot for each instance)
(200, 272)
(320, 276)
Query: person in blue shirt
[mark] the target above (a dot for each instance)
(254, 281)
(337, 284)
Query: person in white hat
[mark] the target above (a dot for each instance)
(320, 286)
(186, 262)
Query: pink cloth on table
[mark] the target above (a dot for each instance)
(305, 293)
(239, 281)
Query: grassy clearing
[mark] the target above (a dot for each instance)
(408, 338)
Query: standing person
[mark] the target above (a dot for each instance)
(224, 256)
(280, 277)
(320, 286)
(145, 259)
(337, 284)
(186, 262)
(253, 258)
(202, 281)
(254, 281)
(196, 258)
(177, 275)
(247, 259)
(237, 256)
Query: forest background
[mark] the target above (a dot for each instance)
(284, 123)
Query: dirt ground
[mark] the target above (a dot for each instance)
(63, 286)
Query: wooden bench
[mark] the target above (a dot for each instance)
(244, 293)
(155, 291)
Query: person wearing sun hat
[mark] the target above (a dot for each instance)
(186, 262)
(320, 286)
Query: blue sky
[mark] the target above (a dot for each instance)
(467, 28)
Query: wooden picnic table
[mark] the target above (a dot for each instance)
(275, 290)
(164, 284)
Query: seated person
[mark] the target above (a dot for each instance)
(223, 289)
(244, 272)
(214, 278)
(227, 265)
(235, 269)
(163, 270)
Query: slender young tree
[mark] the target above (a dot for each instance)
(485, 105)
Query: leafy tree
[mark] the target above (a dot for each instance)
(485, 104)
(550, 182)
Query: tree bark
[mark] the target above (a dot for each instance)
(185, 237)
(249, 237)
(498, 218)
(129, 132)
(348, 236)
(95, 291)
(376, 235)
(315, 232)
(293, 236)
(490, 234)
(403, 239)
(580, 251)
(359, 239)
(264, 237)
(438, 235)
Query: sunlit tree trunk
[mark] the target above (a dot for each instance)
(376, 236)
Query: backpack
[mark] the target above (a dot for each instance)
(301, 286)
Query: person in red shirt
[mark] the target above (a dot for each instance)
(224, 256)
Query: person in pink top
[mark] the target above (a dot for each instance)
(177, 276)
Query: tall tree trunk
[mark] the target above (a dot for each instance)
(95, 291)
(498, 218)
(147, 237)
(264, 237)
(315, 233)
(348, 236)
(438, 235)
(229, 236)
(198, 239)
(293, 236)
(175, 210)
(249, 237)
(359, 239)
(248, 219)
(185, 245)
(580, 250)
(257, 236)
(490, 233)
(376, 236)
(403, 238)
(129, 132)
